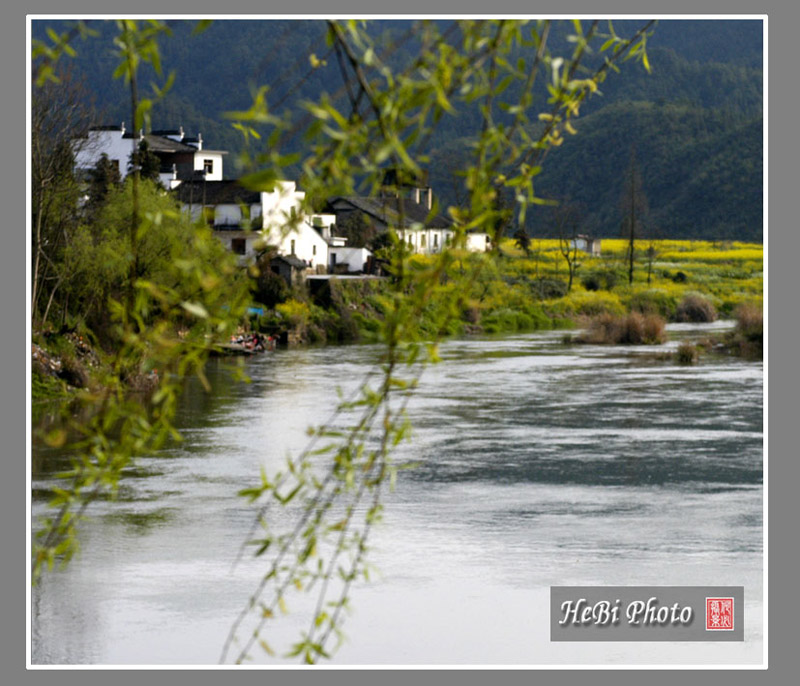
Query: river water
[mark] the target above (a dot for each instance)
(539, 465)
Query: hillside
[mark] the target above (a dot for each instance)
(695, 121)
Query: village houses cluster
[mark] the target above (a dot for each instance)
(312, 247)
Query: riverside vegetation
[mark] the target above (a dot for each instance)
(518, 291)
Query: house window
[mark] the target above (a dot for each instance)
(436, 240)
(313, 249)
(208, 167)
(292, 250)
(422, 240)
(239, 246)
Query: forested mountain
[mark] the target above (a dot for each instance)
(701, 170)
(695, 122)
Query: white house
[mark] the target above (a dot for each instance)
(405, 206)
(182, 157)
(587, 244)
(478, 241)
(348, 259)
(246, 221)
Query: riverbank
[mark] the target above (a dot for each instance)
(514, 291)
(519, 290)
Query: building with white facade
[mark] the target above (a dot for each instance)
(182, 157)
(587, 244)
(248, 221)
(406, 207)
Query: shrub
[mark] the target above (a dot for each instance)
(654, 329)
(747, 339)
(270, 288)
(695, 308)
(679, 277)
(594, 281)
(687, 353)
(548, 289)
(295, 312)
(591, 282)
(471, 314)
(631, 329)
(750, 322)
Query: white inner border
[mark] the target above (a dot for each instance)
(189, 17)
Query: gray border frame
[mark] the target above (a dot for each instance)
(784, 17)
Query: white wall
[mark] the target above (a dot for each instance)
(355, 258)
(88, 151)
(216, 158)
(291, 236)
(227, 214)
(478, 242)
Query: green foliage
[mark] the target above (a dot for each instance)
(548, 289)
(601, 279)
(146, 161)
(270, 288)
(158, 291)
(654, 301)
(296, 313)
(358, 230)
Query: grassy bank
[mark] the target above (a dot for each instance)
(517, 291)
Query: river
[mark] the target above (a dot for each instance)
(539, 464)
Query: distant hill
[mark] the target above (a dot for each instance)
(695, 121)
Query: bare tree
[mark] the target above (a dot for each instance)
(634, 210)
(566, 221)
(60, 117)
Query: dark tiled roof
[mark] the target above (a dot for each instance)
(167, 132)
(389, 210)
(112, 127)
(216, 193)
(165, 145)
(291, 260)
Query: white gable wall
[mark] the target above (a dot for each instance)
(111, 143)
(287, 229)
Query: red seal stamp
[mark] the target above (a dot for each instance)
(719, 614)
